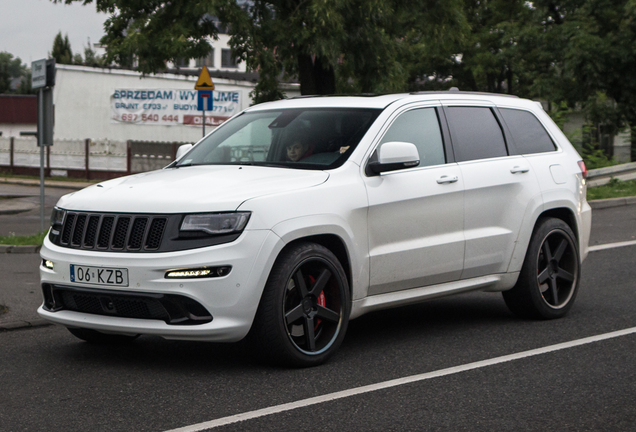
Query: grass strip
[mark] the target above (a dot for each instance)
(28, 240)
(614, 189)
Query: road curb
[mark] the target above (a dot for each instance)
(17, 325)
(19, 249)
(612, 202)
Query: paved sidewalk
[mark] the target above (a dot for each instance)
(20, 203)
(13, 204)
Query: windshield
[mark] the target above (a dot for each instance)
(317, 138)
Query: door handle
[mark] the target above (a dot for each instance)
(447, 179)
(518, 169)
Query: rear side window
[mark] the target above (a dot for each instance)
(476, 133)
(419, 127)
(527, 132)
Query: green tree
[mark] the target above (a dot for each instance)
(91, 58)
(10, 69)
(328, 45)
(62, 50)
(588, 62)
(25, 84)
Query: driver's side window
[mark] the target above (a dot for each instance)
(249, 144)
(419, 127)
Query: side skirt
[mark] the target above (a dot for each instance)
(490, 283)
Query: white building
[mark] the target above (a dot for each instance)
(121, 105)
(110, 122)
(220, 58)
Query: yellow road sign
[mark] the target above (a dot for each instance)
(204, 82)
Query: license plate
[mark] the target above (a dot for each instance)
(99, 275)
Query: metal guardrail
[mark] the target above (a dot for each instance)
(601, 176)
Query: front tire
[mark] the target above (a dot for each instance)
(549, 279)
(304, 311)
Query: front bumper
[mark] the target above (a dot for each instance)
(231, 300)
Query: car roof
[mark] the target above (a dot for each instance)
(382, 101)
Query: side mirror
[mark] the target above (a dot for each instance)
(183, 150)
(394, 155)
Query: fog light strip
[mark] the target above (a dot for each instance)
(188, 273)
(204, 272)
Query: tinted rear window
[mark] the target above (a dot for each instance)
(527, 132)
(475, 133)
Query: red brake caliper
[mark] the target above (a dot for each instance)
(322, 302)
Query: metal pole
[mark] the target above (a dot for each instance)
(204, 117)
(41, 144)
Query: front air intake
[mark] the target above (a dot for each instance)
(171, 308)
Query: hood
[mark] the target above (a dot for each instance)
(192, 189)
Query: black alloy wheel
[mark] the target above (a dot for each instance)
(549, 278)
(557, 266)
(304, 311)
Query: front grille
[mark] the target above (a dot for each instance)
(108, 232)
(171, 308)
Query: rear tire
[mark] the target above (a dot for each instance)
(304, 311)
(549, 279)
(95, 337)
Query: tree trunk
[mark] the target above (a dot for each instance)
(306, 75)
(317, 77)
(325, 77)
(510, 77)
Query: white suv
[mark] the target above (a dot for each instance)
(296, 216)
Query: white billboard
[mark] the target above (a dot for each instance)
(170, 107)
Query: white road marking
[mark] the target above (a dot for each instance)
(398, 382)
(611, 245)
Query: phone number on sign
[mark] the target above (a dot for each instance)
(149, 118)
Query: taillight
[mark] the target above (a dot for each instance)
(583, 169)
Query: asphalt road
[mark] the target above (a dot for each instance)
(52, 382)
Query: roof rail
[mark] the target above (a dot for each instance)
(458, 91)
(339, 95)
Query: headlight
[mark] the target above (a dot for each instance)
(216, 223)
(57, 216)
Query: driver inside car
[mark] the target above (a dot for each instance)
(299, 149)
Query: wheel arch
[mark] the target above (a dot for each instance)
(335, 244)
(565, 214)
(562, 212)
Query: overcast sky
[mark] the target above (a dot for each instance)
(28, 27)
